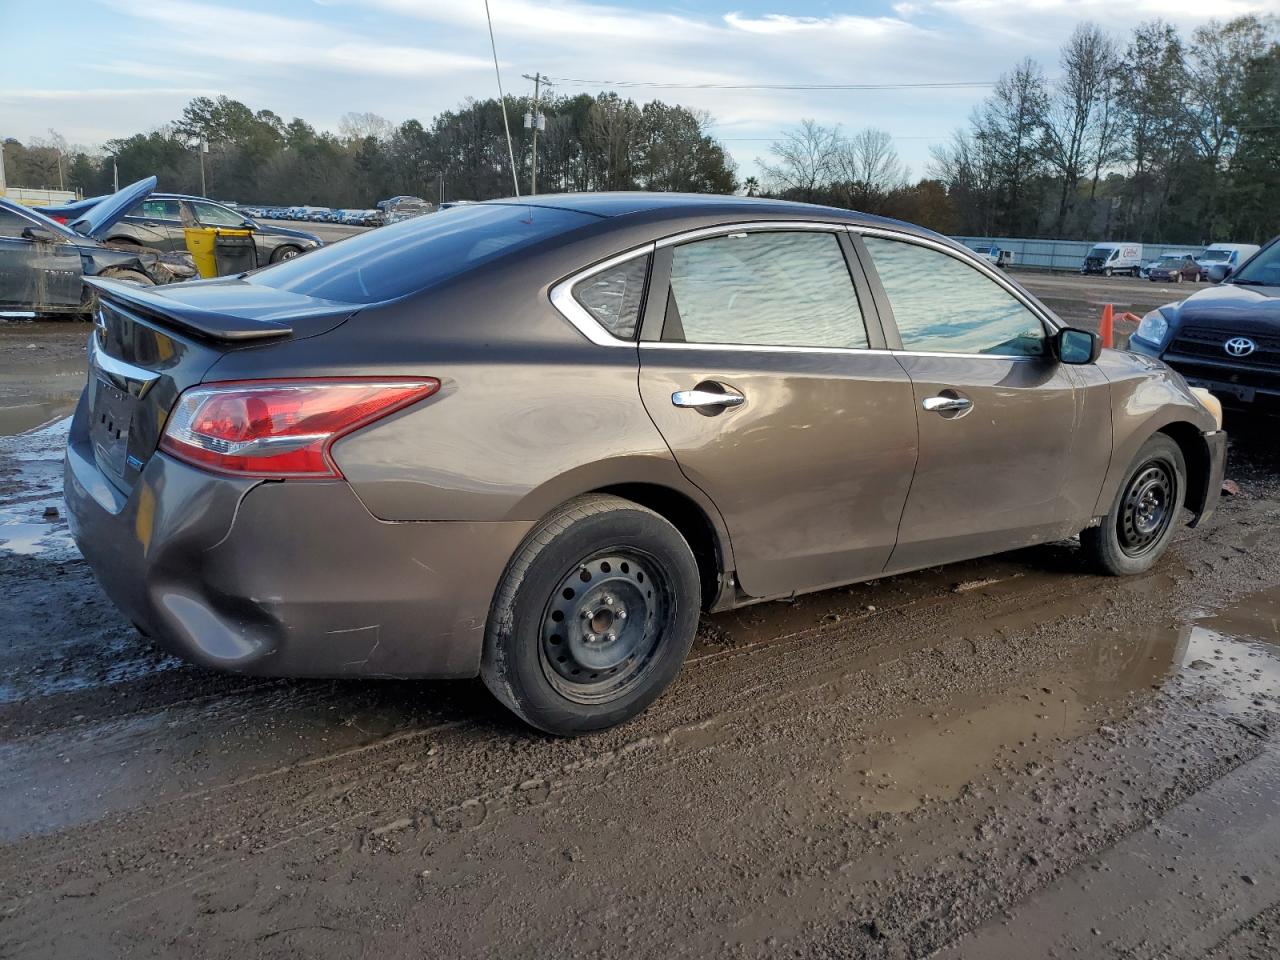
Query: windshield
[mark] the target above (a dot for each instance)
(392, 262)
(1214, 256)
(1264, 268)
(1169, 262)
(1098, 253)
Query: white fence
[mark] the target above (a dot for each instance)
(1067, 255)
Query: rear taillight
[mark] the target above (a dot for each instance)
(280, 428)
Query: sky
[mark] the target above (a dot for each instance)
(124, 66)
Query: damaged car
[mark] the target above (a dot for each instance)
(43, 263)
(533, 440)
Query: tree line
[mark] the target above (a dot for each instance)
(1159, 138)
(589, 143)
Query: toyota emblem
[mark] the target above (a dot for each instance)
(1240, 346)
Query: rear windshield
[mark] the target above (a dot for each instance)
(393, 261)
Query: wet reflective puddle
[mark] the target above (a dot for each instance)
(1230, 658)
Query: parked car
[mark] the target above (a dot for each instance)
(1112, 258)
(533, 440)
(993, 254)
(158, 222)
(403, 208)
(43, 263)
(1174, 268)
(66, 212)
(1229, 255)
(1225, 338)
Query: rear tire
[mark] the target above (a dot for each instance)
(1137, 529)
(593, 617)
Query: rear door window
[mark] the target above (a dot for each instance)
(943, 305)
(786, 289)
(409, 256)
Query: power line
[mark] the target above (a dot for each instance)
(663, 85)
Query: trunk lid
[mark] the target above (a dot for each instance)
(101, 217)
(149, 344)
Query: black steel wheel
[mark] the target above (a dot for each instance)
(1138, 527)
(593, 617)
(1147, 507)
(602, 625)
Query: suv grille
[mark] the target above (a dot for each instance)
(1207, 343)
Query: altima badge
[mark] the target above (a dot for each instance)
(1239, 346)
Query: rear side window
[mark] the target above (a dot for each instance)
(942, 305)
(403, 258)
(768, 289)
(614, 296)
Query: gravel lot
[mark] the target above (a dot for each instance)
(1006, 758)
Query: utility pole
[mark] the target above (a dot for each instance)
(115, 175)
(203, 149)
(535, 121)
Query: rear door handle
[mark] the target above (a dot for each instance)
(707, 398)
(946, 404)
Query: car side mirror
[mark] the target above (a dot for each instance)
(249, 224)
(39, 234)
(1077, 346)
(1219, 272)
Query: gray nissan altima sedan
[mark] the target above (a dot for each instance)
(532, 440)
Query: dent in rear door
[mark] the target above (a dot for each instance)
(811, 470)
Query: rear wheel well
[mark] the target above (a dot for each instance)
(692, 522)
(1195, 454)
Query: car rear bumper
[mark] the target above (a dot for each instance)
(290, 578)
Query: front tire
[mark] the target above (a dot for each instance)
(1137, 529)
(593, 618)
(285, 252)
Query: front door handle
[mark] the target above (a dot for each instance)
(706, 398)
(946, 404)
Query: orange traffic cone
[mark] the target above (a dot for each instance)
(1106, 329)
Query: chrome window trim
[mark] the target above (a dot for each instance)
(753, 226)
(769, 348)
(959, 254)
(567, 304)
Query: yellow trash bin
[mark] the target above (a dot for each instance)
(202, 242)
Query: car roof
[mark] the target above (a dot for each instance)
(701, 205)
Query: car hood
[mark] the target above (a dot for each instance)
(1235, 306)
(270, 230)
(98, 219)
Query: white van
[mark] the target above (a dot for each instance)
(1109, 258)
(1224, 255)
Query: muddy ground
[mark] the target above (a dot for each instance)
(1006, 758)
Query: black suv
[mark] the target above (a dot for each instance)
(1225, 338)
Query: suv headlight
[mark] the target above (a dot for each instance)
(1153, 328)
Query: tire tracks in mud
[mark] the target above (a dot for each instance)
(690, 724)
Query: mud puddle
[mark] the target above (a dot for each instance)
(32, 513)
(37, 393)
(1230, 659)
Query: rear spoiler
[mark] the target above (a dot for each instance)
(206, 323)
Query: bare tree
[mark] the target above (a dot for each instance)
(1069, 121)
(1009, 125)
(805, 158)
(867, 168)
(358, 126)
